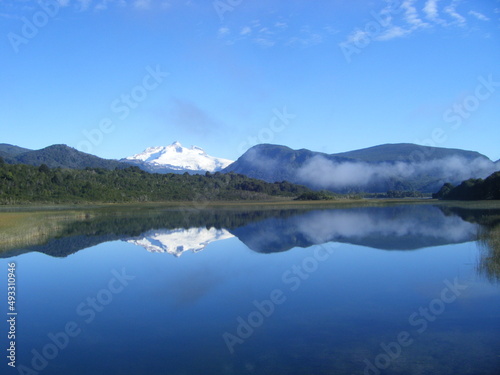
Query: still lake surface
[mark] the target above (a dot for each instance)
(399, 289)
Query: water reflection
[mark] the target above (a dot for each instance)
(336, 314)
(489, 244)
(388, 228)
(174, 231)
(177, 241)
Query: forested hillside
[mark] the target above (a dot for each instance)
(27, 184)
(472, 189)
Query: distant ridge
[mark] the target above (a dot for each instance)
(375, 169)
(400, 167)
(11, 150)
(406, 152)
(58, 156)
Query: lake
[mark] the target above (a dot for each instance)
(362, 289)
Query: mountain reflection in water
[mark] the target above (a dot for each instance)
(218, 268)
(402, 227)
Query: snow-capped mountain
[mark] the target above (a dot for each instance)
(176, 158)
(177, 241)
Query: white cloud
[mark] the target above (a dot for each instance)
(84, 4)
(264, 42)
(357, 36)
(392, 33)
(63, 3)
(246, 30)
(306, 38)
(451, 10)
(411, 15)
(103, 5)
(142, 4)
(224, 31)
(431, 10)
(404, 17)
(281, 25)
(478, 15)
(265, 30)
(277, 32)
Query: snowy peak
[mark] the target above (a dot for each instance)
(178, 241)
(177, 157)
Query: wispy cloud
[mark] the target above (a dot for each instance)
(246, 30)
(96, 5)
(411, 15)
(478, 15)
(142, 4)
(403, 18)
(357, 36)
(452, 12)
(281, 25)
(277, 32)
(431, 10)
(83, 5)
(264, 42)
(223, 31)
(392, 33)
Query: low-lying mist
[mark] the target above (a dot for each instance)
(326, 174)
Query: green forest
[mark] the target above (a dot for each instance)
(23, 184)
(472, 189)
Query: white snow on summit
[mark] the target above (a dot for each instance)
(177, 157)
(177, 241)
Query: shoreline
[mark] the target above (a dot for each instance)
(265, 204)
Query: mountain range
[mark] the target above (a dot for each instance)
(56, 156)
(376, 169)
(168, 159)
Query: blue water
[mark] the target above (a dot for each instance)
(328, 308)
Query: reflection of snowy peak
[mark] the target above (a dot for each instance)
(177, 157)
(177, 241)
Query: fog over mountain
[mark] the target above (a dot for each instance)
(320, 172)
(375, 169)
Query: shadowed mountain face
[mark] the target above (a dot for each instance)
(11, 150)
(375, 169)
(402, 227)
(57, 156)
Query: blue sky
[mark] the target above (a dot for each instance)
(115, 77)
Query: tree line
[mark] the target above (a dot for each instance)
(20, 183)
(472, 189)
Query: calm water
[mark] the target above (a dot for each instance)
(408, 289)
